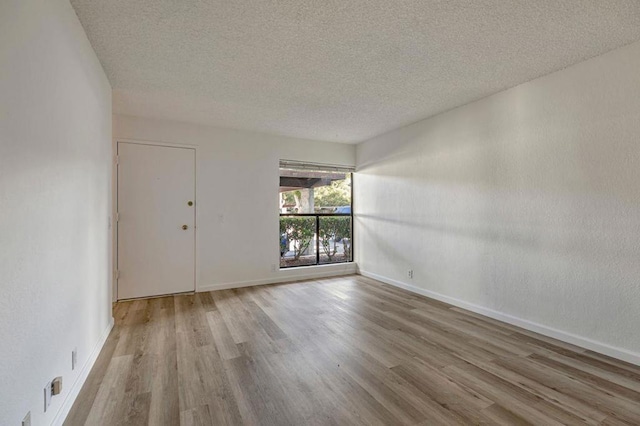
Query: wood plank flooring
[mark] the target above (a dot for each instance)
(341, 351)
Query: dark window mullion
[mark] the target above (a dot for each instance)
(317, 239)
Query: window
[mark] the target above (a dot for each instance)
(316, 223)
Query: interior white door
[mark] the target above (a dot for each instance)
(156, 223)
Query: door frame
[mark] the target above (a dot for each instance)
(114, 228)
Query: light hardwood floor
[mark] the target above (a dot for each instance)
(341, 351)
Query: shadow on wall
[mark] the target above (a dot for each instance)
(481, 192)
(572, 240)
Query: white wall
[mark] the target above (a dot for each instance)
(55, 179)
(237, 175)
(524, 205)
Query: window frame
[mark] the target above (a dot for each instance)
(321, 167)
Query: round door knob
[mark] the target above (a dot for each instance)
(185, 227)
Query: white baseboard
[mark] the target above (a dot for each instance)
(82, 377)
(296, 274)
(584, 342)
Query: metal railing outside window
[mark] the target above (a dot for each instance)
(308, 239)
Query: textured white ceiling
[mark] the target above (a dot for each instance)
(337, 70)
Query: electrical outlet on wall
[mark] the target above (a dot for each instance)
(273, 267)
(74, 358)
(411, 273)
(47, 396)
